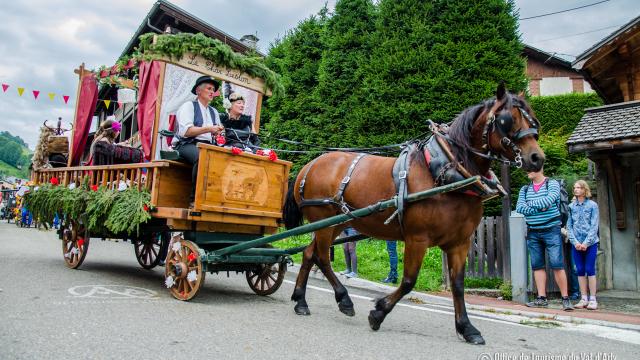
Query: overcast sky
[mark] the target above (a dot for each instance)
(42, 41)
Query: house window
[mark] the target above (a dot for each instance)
(555, 86)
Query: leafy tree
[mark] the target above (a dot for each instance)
(433, 59)
(297, 57)
(347, 41)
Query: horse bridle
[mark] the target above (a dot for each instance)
(503, 123)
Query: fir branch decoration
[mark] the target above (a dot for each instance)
(175, 46)
(107, 211)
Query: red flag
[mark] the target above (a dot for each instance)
(119, 104)
(5, 87)
(36, 93)
(66, 98)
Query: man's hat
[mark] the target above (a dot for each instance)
(206, 79)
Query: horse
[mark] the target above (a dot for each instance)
(503, 128)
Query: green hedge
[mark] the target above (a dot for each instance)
(562, 112)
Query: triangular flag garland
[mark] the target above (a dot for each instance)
(36, 93)
(20, 90)
(66, 98)
(119, 104)
(107, 103)
(5, 87)
(51, 96)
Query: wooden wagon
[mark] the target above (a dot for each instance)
(239, 197)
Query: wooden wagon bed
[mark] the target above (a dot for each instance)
(234, 193)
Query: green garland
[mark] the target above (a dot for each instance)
(175, 46)
(104, 210)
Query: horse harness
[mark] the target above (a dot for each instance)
(338, 198)
(503, 123)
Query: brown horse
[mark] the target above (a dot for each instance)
(503, 127)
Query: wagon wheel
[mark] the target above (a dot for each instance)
(75, 244)
(265, 279)
(150, 249)
(184, 274)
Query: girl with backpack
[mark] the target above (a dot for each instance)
(582, 229)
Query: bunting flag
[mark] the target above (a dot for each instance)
(66, 98)
(119, 104)
(36, 93)
(20, 90)
(5, 87)
(51, 96)
(107, 103)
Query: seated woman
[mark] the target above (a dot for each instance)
(101, 151)
(234, 119)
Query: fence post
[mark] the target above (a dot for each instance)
(504, 230)
(518, 257)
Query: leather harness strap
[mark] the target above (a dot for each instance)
(338, 199)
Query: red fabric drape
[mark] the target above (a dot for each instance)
(148, 81)
(87, 101)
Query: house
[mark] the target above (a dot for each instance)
(552, 75)
(610, 137)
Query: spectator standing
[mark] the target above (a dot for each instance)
(538, 202)
(582, 228)
(350, 256)
(393, 262)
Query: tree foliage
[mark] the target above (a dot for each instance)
(370, 75)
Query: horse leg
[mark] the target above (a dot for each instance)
(456, 258)
(324, 240)
(413, 256)
(301, 307)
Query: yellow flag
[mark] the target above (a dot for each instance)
(20, 91)
(51, 96)
(107, 103)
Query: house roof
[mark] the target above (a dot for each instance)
(582, 58)
(606, 127)
(163, 13)
(545, 57)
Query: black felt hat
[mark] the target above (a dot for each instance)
(206, 79)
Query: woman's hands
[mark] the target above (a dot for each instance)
(581, 247)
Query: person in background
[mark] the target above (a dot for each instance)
(393, 262)
(582, 228)
(350, 256)
(538, 202)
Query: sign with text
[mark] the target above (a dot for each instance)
(207, 67)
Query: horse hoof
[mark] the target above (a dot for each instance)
(375, 319)
(347, 310)
(475, 339)
(302, 310)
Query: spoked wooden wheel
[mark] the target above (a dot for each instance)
(75, 244)
(184, 273)
(151, 248)
(265, 279)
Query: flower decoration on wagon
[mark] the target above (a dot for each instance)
(54, 181)
(236, 151)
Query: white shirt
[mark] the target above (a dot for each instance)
(185, 117)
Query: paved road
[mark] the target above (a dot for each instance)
(113, 309)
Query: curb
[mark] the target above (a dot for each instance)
(511, 315)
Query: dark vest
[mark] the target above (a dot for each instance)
(197, 115)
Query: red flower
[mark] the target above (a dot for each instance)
(145, 207)
(54, 181)
(94, 187)
(236, 151)
(260, 152)
(273, 156)
(80, 242)
(130, 64)
(104, 73)
(192, 256)
(220, 140)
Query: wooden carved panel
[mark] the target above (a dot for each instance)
(245, 183)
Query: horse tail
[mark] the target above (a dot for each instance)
(291, 213)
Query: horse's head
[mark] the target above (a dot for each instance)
(511, 131)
